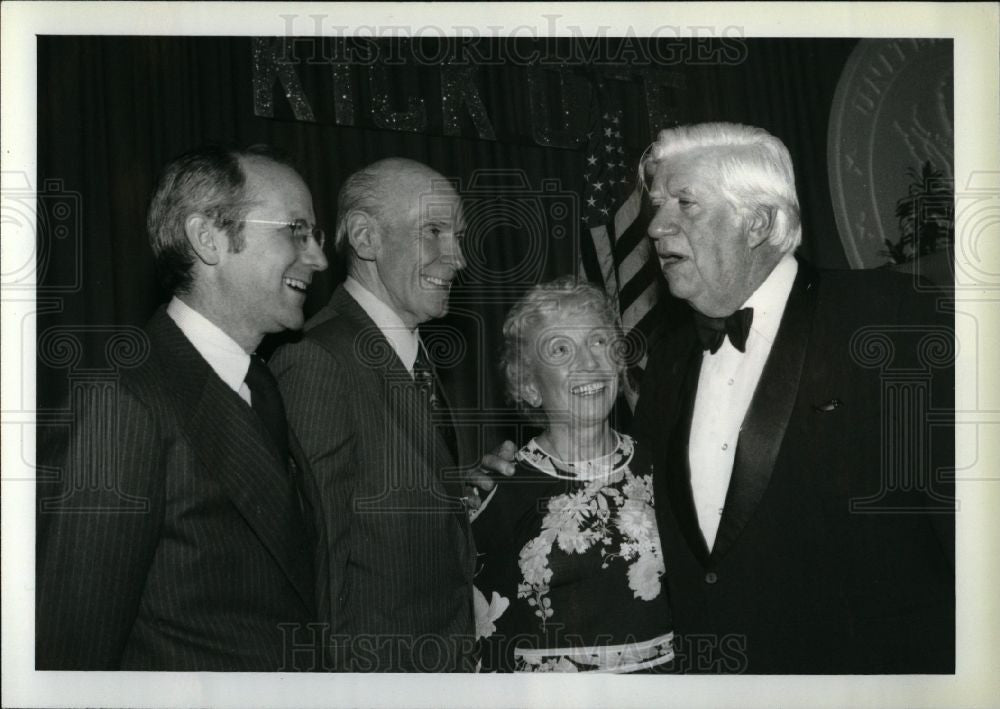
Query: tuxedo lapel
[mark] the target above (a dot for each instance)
(767, 418)
(673, 478)
(234, 448)
(681, 494)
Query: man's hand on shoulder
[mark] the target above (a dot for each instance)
(498, 462)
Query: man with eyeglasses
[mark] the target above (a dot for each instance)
(363, 399)
(212, 568)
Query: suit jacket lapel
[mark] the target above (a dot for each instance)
(312, 513)
(442, 451)
(234, 448)
(770, 409)
(402, 398)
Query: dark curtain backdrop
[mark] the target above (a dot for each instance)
(113, 110)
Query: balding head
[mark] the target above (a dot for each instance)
(373, 188)
(399, 225)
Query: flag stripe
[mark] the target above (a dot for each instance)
(637, 285)
(633, 263)
(642, 301)
(590, 265)
(629, 239)
(626, 215)
(615, 238)
(605, 260)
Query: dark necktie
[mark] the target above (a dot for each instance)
(423, 376)
(712, 332)
(266, 401)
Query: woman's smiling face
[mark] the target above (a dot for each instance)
(573, 367)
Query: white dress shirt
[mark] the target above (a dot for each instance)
(403, 340)
(223, 354)
(725, 388)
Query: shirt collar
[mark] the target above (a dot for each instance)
(404, 341)
(223, 354)
(768, 301)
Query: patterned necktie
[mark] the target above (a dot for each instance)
(423, 376)
(712, 332)
(266, 401)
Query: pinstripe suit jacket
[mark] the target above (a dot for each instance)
(191, 552)
(400, 548)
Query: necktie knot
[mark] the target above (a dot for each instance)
(258, 375)
(712, 332)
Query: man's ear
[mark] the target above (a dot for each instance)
(760, 224)
(362, 232)
(205, 238)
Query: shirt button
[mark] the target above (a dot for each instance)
(711, 577)
(725, 446)
(731, 381)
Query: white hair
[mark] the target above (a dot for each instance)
(754, 170)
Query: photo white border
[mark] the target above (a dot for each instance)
(973, 26)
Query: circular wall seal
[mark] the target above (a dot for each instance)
(892, 112)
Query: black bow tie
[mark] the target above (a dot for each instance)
(712, 331)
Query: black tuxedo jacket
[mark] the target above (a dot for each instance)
(189, 552)
(400, 546)
(835, 551)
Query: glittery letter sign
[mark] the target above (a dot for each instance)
(389, 85)
(413, 120)
(271, 61)
(572, 106)
(458, 87)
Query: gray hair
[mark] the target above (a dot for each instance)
(368, 191)
(359, 193)
(754, 170)
(520, 328)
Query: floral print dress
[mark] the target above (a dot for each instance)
(570, 567)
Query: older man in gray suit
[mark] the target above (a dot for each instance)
(363, 398)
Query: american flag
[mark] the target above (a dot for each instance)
(614, 251)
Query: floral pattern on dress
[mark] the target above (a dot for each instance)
(487, 611)
(613, 509)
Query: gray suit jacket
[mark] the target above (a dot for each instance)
(400, 547)
(192, 552)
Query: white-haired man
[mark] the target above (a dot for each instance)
(803, 530)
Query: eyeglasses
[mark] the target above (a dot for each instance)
(300, 230)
